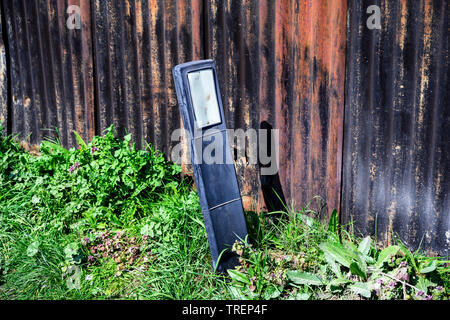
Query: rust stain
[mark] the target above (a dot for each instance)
(87, 126)
(403, 21)
(196, 17)
(273, 59)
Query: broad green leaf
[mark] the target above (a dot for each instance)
(333, 238)
(337, 252)
(299, 277)
(339, 282)
(80, 141)
(302, 296)
(102, 225)
(356, 270)
(364, 245)
(423, 284)
(355, 255)
(272, 292)
(333, 265)
(236, 293)
(385, 254)
(409, 256)
(53, 147)
(333, 224)
(369, 259)
(362, 265)
(361, 288)
(238, 276)
(429, 268)
(353, 250)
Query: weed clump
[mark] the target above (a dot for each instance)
(106, 220)
(298, 258)
(120, 217)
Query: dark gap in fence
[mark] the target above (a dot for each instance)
(97, 126)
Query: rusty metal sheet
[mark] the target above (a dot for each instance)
(397, 124)
(136, 44)
(51, 70)
(281, 65)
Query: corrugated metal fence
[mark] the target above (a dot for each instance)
(282, 65)
(396, 176)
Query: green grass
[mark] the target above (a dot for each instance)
(115, 187)
(107, 221)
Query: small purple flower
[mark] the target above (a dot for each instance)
(420, 293)
(380, 281)
(94, 149)
(404, 277)
(75, 165)
(392, 284)
(429, 297)
(402, 274)
(403, 264)
(439, 288)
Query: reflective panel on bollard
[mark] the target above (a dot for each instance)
(201, 109)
